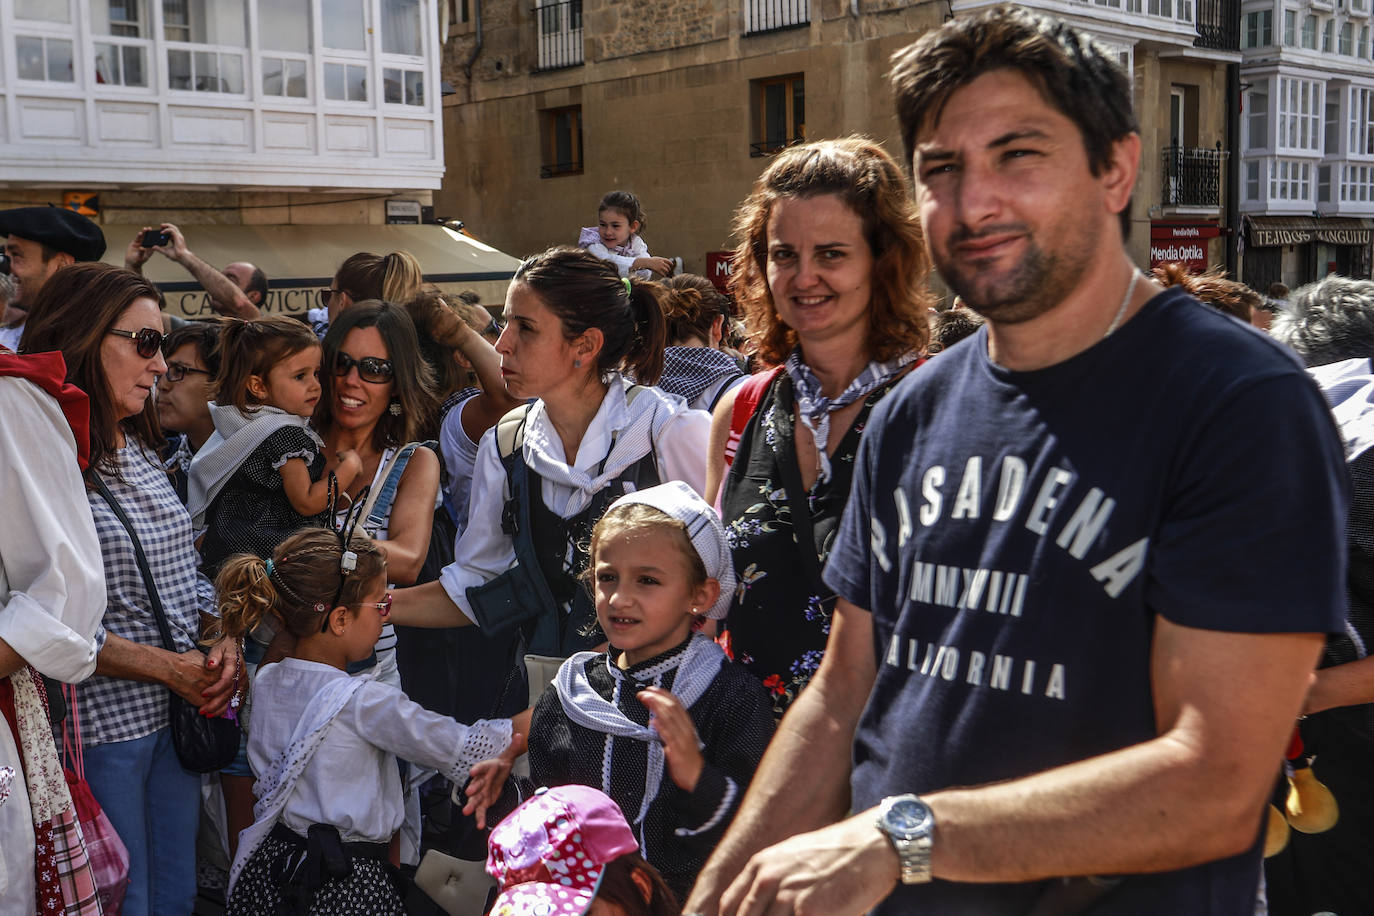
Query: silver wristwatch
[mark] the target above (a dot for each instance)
(910, 826)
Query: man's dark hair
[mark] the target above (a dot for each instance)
(950, 326)
(257, 283)
(1073, 75)
(204, 335)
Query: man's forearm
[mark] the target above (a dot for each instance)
(225, 297)
(131, 661)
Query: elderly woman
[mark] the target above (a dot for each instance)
(830, 274)
(106, 323)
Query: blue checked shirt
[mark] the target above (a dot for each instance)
(119, 710)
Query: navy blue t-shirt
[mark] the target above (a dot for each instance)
(1014, 535)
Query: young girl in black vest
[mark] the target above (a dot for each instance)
(663, 722)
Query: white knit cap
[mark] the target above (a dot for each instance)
(677, 500)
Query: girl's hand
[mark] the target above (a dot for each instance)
(681, 746)
(657, 265)
(486, 779)
(350, 466)
(222, 659)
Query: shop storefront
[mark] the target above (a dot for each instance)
(1300, 249)
(1188, 244)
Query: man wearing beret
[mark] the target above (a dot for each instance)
(41, 241)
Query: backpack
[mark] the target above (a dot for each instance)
(746, 402)
(521, 596)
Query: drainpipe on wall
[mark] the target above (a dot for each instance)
(477, 48)
(1233, 170)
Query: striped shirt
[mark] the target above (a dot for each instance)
(120, 710)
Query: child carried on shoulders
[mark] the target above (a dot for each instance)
(615, 238)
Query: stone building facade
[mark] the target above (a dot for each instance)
(557, 103)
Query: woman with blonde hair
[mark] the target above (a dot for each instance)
(394, 277)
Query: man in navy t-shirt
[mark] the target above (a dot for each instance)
(1059, 650)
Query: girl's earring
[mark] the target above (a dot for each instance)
(577, 364)
(395, 408)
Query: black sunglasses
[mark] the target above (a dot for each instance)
(147, 341)
(370, 368)
(178, 371)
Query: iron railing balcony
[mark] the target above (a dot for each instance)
(1192, 177)
(559, 27)
(775, 15)
(1218, 25)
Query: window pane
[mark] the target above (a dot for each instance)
(118, 17)
(295, 79)
(343, 24)
(135, 74)
(357, 84)
(46, 10)
(179, 69)
(272, 76)
(401, 27)
(207, 71)
(798, 110)
(774, 115)
(563, 139)
(285, 26)
(231, 73)
(211, 22)
(107, 65)
(29, 52)
(334, 87)
(60, 61)
(415, 87)
(392, 91)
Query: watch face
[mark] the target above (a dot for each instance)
(907, 816)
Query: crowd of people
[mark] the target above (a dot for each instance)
(812, 598)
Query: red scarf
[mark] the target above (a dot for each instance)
(49, 372)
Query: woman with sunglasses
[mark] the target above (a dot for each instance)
(106, 323)
(376, 399)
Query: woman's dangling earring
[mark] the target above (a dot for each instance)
(577, 364)
(395, 408)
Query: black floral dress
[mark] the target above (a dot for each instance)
(780, 619)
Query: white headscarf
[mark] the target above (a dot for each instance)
(677, 500)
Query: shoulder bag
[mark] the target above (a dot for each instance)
(202, 745)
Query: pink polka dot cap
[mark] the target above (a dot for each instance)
(548, 855)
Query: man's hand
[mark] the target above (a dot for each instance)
(681, 746)
(223, 659)
(135, 255)
(844, 868)
(177, 249)
(187, 676)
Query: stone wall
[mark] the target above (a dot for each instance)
(624, 27)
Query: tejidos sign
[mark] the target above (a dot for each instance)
(1272, 232)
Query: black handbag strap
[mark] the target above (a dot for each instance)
(143, 568)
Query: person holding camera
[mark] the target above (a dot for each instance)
(40, 242)
(227, 296)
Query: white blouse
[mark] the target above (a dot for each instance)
(352, 782)
(484, 551)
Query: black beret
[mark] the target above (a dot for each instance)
(63, 230)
